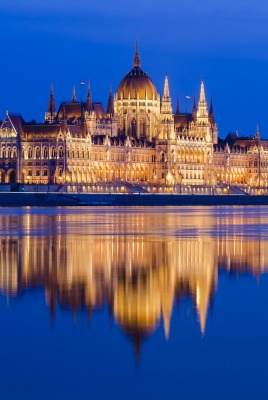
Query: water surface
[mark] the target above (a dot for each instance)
(134, 303)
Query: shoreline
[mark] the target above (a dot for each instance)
(56, 199)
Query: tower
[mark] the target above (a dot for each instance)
(202, 112)
(110, 105)
(50, 115)
(194, 110)
(166, 143)
(137, 103)
(166, 116)
(213, 124)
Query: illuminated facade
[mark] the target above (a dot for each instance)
(137, 144)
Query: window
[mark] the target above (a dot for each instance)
(45, 172)
(53, 152)
(45, 152)
(30, 152)
(61, 152)
(37, 152)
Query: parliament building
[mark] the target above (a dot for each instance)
(138, 144)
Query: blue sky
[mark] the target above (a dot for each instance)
(225, 42)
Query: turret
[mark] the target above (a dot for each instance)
(177, 107)
(110, 105)
(166, 106)
(51, 110)
(257, 135)
(202, 111)
(74, 95)
(63, 122)
(211, 113)
(166, 116)
(89, 99)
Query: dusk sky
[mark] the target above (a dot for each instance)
(224, 42)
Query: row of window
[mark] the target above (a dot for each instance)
(37, 172)
(36, 152)
(8, 152)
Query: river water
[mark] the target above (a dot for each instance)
(134, 303)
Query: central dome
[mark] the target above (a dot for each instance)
(137, 84)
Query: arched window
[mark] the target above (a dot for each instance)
(9, 152)
(45, 172)
(37, 172)
(30, 152)
(60, 152)
(45, 152)
(53, 152)
(14, 152)
(37, 152)
(133, 128)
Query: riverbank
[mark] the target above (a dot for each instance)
(8, 199)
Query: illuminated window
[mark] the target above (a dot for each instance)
(45, 152)
(60, 152)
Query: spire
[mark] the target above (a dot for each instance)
(74, 95)
(51, 109)
(257, 134)
(51, 102)
(63, 122)
(202, 112)
(202, 93)
(166, 106)
(211, 113)
(166, 87)
(136, 59)
(194, 110)
(110, 104)
(177, 107)
(89, 99)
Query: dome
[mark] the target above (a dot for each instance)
(136, 84)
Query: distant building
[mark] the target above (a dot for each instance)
(137, 143)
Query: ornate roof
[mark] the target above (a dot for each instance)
(137, 84)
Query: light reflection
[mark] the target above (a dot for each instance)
(138, 276)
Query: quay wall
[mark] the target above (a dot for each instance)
(8, 199)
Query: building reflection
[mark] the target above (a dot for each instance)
(139, 277)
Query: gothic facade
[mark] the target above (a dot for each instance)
(137, 144)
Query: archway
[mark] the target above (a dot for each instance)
(2, 176)
(12, 176)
